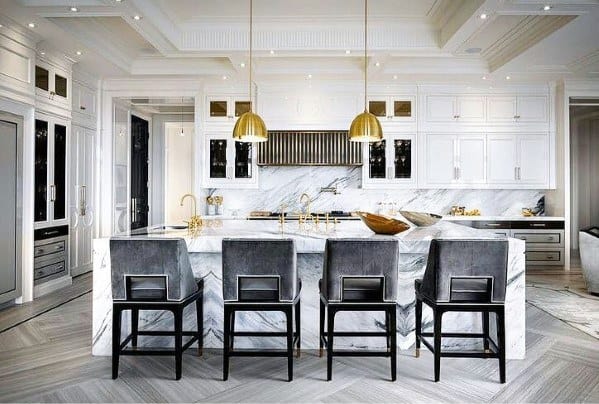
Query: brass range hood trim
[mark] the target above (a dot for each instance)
(309, 148)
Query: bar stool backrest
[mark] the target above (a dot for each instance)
(259, 270)
(466, 270)
(153, 269)
(361, 269)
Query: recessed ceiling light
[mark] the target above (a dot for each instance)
(74, 9)
(377, 64)
(508, 78)
(484, 77)
(309, 76)
(547, 7)
(347, 52)
(118, 1)
(79, 53)
(225, 77)
(31, 25)
(483, 16)
(242, 64)
(42, 53)
(395, 77)
(137, 17)
(272, 52)
(1, 25)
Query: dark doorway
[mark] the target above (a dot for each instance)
(139, 172)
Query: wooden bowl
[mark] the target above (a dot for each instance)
(421, 219)
(383, 224)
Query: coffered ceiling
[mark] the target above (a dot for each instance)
(408, 40)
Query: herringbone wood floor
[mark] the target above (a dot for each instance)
(47, 359)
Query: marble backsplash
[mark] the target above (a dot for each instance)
(284, 186)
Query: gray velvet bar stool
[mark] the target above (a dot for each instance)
(260, 275)
(359, 275)
(153, 274)
(464, 276)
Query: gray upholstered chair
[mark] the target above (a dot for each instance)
(260, 275)
(359, 275)
(153, 274)
(465, 276)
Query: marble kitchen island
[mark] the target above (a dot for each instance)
(205, 256)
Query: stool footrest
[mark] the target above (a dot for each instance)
(385, 354)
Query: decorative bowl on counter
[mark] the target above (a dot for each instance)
(383, 224)
(421, 219)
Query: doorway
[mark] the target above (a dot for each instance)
(140, 138)
(178, 170)
(584, 167)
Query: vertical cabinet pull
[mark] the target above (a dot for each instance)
(82, 200)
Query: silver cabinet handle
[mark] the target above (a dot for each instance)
(537, 225)
(52, 193)
(516, 173)
(82, 200)
(493, 224)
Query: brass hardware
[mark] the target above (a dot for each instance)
(195, 223)
(320, 353)
(365, 127)
(417, 353)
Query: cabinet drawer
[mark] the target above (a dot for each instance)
(51, 248)
(49, 270)
(544, 257)
(539, 238)
(490, 225)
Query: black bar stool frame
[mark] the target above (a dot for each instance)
(119, 348)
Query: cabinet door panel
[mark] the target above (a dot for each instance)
(377, 161)
(217, 158)
(402, 159)
(501, 109)
(243, 160)
(440, 108)
(501, 159)
(59, 196)
(41, 171)
(471, 150)
(440, 159)
(470, 109)
(534, 159)
(532, 109)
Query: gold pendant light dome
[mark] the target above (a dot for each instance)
(250, 128)
(365, 127)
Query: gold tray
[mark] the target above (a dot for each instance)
(383, 224)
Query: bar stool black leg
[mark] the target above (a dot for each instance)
(393, 334)
(485, 319)
(500, 315)
(178, 342)
(200, 320)
(233, 315)
(226, 342)
(289, 315)
(134, 326)
(116, 340)
(298, 327)
(330, 331)
(418, 316)
(322, 316)
(437, 336)
(387, 339)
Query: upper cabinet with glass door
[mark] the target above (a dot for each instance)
(393, 109)
(390, 163)
(225, 109)
(229, 164)
(53, 87)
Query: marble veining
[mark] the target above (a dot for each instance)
(206, 262)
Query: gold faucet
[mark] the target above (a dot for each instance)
(195, 222)
(307, 204)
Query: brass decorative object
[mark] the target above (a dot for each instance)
(250, 127)
(383, 224)
(365, 127)
(421, 219)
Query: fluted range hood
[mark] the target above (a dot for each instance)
(309, 148)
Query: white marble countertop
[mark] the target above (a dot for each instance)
(503, 218)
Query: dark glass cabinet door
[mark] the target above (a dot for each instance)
(243, 160)
(59, 196)
(402, 153)
(41, 171)
(140, 207)
(218, 158)
(377, 160)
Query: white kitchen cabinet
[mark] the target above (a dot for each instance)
(52, 86)
(84, 99)
(393, 109)
(226, 109)
(51, 171)
(390, 163)
(527, 109)
(229, 164)
(518, 160)
(455, 109)
(454, 161)
(81, 199)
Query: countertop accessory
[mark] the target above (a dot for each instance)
(383, 224)
(420, 219)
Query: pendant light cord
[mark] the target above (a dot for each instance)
(365, 55)
(251, 35)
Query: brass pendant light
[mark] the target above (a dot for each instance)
(250, 127)
(365, 127)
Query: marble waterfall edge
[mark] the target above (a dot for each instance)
(206, 262)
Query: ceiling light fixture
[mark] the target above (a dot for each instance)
(42, 53)
(31, 25)
(395, 77)
(242, 64)
(365, 127)
(484, 77)
(225, 77)
(74, 9)
(377, 64)
(309, 76)
(272, 52)
(347, 52)
(483, 16)
(547, 7)
(137, 17)
(79, 53)
(250, 127)
(508, 78)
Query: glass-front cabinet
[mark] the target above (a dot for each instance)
(392, 108)
(229, 164)
(52, 84)
(50, 170)
(226, 108)
(390, 163)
